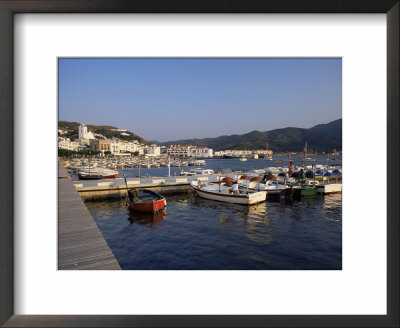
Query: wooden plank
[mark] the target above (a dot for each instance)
(62, 172)
(81, 246)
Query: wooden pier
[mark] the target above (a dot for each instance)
(62, 172)
(116, 188)
(81, 246)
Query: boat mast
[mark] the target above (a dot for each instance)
(305, 155)
(169, 167)
(139, 162)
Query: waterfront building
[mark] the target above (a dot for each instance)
(123, 146)
(64, 143)
(189, 151)
(135, 146)
(114, 146)
(84, 142)
(205, 152)
(153, 150)
(101, 144)
(163, 150)
(74, 145)
(265, 152)
(178, 150)
(235, 153)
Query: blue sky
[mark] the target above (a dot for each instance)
(171, 99)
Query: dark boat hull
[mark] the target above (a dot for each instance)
(90, 177)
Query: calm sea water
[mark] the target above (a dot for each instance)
(200, 234)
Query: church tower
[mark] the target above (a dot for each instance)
(82, 131)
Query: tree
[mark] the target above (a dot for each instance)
(65, 152)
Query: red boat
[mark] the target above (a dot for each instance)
(145, 200)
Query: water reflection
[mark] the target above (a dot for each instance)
(332, 200)
(201, 234)
(153, 221)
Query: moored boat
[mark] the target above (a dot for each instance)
(329, 188)
(89, 175)
(145, 200)
(272, 187)
(97, 173)
(193, 172)
(226, 192)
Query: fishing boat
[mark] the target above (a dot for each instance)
(145, 200)
(89, 175)
(227, 192)
(193, 172)
(304, 190)
(97, 173)
(272, 187)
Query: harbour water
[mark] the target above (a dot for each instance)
(200, 234)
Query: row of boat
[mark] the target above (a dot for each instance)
(130, 162)
(246, 191)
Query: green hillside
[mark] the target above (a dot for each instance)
(279, 140)
(105, 130)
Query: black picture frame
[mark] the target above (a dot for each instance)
(10, 7)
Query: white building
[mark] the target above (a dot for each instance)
(134, 146)
(153, 150)
(84, 133)
(178, 150)
(200, 152)
(114, 148)
(189, 151)
(66, 143)
(123, 146)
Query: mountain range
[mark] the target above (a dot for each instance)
(322, 137)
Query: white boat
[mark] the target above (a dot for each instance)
(242, 159)
(84, 167)
(199, 162)
(272, 187)
(98, 173)
(193, 172)
(329, 188)
(228, 194)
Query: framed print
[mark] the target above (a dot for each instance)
(47, 54)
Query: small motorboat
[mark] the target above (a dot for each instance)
(89, 176)
(272, 187)
(97, 173)
(145, 200)
(227, 192)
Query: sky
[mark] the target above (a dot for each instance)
(180, 98)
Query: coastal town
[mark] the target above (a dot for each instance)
(99, 144)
